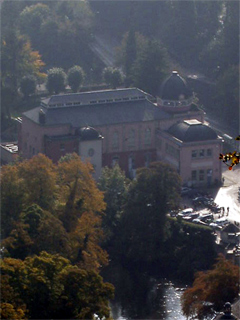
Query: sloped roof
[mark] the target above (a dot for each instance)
(100, 114)
(93, 97)
(192, 130)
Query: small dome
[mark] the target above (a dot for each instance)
(192, 130)
(175, 88)
(88, 133)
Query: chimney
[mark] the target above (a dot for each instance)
(42, 117)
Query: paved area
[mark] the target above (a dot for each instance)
(226, 195)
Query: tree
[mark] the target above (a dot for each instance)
(217, 286)
(12, 197)
(77, 190)
(131, 52)
(56, 80)
(227, 95)
(31, 20)
(28, 85)
(113, 77)
(82, 211)
(39, 180)
(17, 60)
(154, 192)
(114, 184)
(75, 77)
(49, 287)
(150, 68)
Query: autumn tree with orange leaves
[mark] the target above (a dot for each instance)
(216, 286)
(52, 241)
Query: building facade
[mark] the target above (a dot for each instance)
(132, 130)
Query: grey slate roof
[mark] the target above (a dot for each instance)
(192, 130)
(100, 114)
(93, 97)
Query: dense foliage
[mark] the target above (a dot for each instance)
(75, 77)
(218, 285)
(52, 235)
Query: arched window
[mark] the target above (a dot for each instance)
(115, 140)
(131, 138)
(147, 137)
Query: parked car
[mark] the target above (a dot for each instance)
(202, 200)
(219, 222)
(191, 216)
(185, 212)
(206, 218)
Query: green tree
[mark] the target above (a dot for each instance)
(217, 285)
(154, 192)
(28, 85)
(56, 80)
(150, 67)
(107, 74)
(75, 77)
(17, 60)
(31, 20)
(227, 94)
(112, 76)
(114, 184)
(12, 197)
(52, 288)
(130, 53)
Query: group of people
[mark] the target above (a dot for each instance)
(223, 212)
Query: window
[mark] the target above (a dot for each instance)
(62, 147)
(194, 175)
(33, 151)
(91, 152)
(147, 159)
(194, 154)
(147, 137)
(209, 172)
(131, 138)
(201, 175)
(201, 153)
(209, 152)
(115, 140)
(115, 160)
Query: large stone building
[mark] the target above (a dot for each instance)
(125, 126)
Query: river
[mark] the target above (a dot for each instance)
(139, 296)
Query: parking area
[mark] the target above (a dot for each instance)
(221, 204)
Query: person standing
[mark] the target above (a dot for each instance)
(227, 313)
